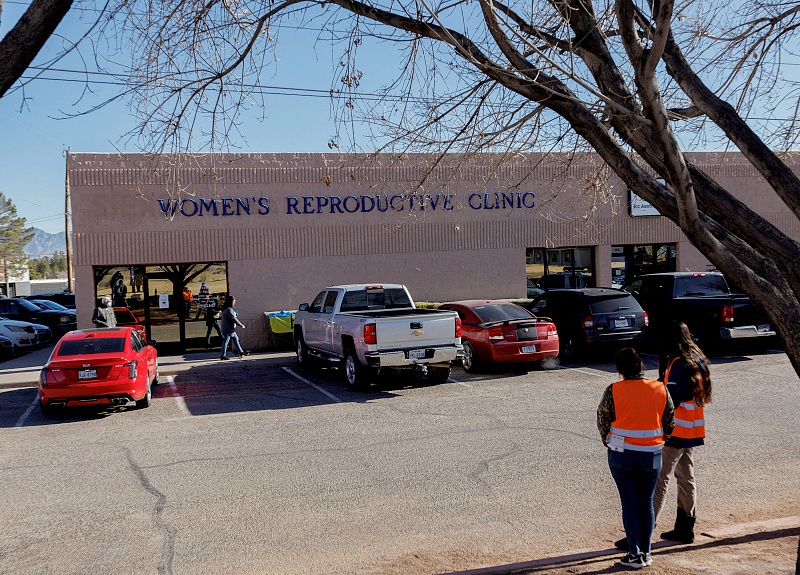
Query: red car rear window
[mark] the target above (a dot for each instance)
(91, 346)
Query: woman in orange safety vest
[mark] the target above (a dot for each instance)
(634, 418)
(688, 381)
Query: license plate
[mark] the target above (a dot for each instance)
(87, 374)
(620, 323)
(416, 354)
(528, 349)
(764, 327)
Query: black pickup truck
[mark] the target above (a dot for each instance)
(705, 303)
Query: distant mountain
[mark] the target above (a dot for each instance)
(45, 244)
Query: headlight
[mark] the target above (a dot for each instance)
(15, 328)
(63, 319)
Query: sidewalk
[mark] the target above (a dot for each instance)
(23, 371)
(759, 548)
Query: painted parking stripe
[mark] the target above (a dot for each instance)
(315, 386)
(178, 397)
(586, 371)
(28, 411)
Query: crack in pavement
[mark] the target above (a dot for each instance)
(170, 532)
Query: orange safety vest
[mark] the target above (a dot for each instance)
(690, 420)
(639, 406)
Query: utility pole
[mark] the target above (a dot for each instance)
(66, 222)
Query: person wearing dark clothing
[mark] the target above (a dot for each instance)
(688, 381)
(634, 418)
(213, 316)
(103, 315)
(229, 323)
(120, 294)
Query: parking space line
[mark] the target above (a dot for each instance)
(28, 411)
(178, 397)
(587, 372)
(315, 386)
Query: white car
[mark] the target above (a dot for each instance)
(22, 334)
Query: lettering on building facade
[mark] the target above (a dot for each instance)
(350, 204)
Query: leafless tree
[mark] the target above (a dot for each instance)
(639, 83)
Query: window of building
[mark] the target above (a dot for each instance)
(631, 261)
(549, 268)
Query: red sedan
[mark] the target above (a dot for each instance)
(101, 367)
(126, 317)
(499, 331)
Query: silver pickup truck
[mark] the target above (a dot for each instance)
(368, 327)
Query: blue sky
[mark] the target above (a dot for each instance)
(34, 135)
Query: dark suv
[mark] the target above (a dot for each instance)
(59, 322)
(64, 298)
(592, 317)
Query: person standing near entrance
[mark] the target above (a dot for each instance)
(688, 382)
(213, 316)
(229, 323)
(634, 418)
(103, 315)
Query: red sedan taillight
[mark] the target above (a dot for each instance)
(370, 334)
(458, 327)
(131, 365)
(551, 330)
(496, 334)
(45, 374)
(727, 314)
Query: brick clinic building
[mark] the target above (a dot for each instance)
(273, 229)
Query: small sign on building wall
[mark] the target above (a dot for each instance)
(163, 301)
(641, 207)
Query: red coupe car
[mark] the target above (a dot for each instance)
(499, 331)
(100, 367)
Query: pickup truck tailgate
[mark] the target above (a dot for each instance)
(416, 331)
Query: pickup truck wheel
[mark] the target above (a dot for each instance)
(356, 376)
(438, 374)
(469, 362)
(302, 352)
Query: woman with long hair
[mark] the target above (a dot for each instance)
(688, 381)
(229, 323)
(634, 418)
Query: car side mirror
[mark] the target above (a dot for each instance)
(151, 342)
(303, 307)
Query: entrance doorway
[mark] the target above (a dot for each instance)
(171, 301)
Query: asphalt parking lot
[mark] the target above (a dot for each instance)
(258, 466)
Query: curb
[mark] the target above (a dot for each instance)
(767, 525)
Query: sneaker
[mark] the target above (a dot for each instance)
(224, 357)
(648, 559)
(633, 561)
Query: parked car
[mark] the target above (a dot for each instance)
(98, 367)
(48, 304)
(43, 334)
(7, 350)
(501, 332)
(22, 334)
(126, 317)
(20, 309)
(532, 289)
(592, 318)
(705, 303)
(64, 298)
(365, 328)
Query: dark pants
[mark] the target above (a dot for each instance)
(212, 327)
(636, 473)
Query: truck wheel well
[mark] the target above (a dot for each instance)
(348, 343)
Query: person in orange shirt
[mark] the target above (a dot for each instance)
(187, 300)
(634, 418)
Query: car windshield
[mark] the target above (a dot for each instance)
(500, 312)
(47, 304)
(612, 303)
(28, 306)
(92, 346)
(360, 300)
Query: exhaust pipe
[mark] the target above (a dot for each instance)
(119, 401)
(57, 404)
